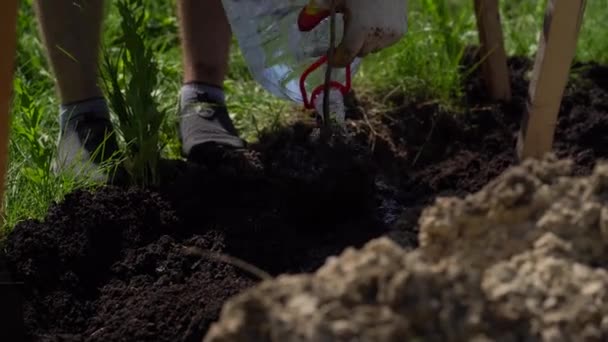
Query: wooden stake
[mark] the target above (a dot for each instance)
(326, 125)
(557, 48)
(8, 41)
(494, 67)
(11, 313)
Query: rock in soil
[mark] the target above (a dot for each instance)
(122, 264)
(524, 259)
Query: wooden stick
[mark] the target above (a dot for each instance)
(326, 127)
(8, 41)
(557, 48)
(494, 67)
(11, 313)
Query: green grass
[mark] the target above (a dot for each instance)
(130, 80)
(425, 64)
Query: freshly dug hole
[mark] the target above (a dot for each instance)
(525, 258)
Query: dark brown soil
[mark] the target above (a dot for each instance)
(134, 265)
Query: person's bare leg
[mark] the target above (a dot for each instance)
(205, 34)
(206, 37)
(71, 31)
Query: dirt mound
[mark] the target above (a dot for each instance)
(126, 263)
(522, 259)
(109, 265)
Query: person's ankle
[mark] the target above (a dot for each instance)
(96, 106)
(192, 92)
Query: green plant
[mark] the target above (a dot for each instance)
(33, 184)
(425, 64)
(131, 79)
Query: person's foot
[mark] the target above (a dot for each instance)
(204, 126)
(86, 142)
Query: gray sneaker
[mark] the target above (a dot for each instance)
(85, 142)
(206, 123)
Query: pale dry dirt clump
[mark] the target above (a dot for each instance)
(525, 258)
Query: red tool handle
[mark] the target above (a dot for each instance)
(343, 88)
